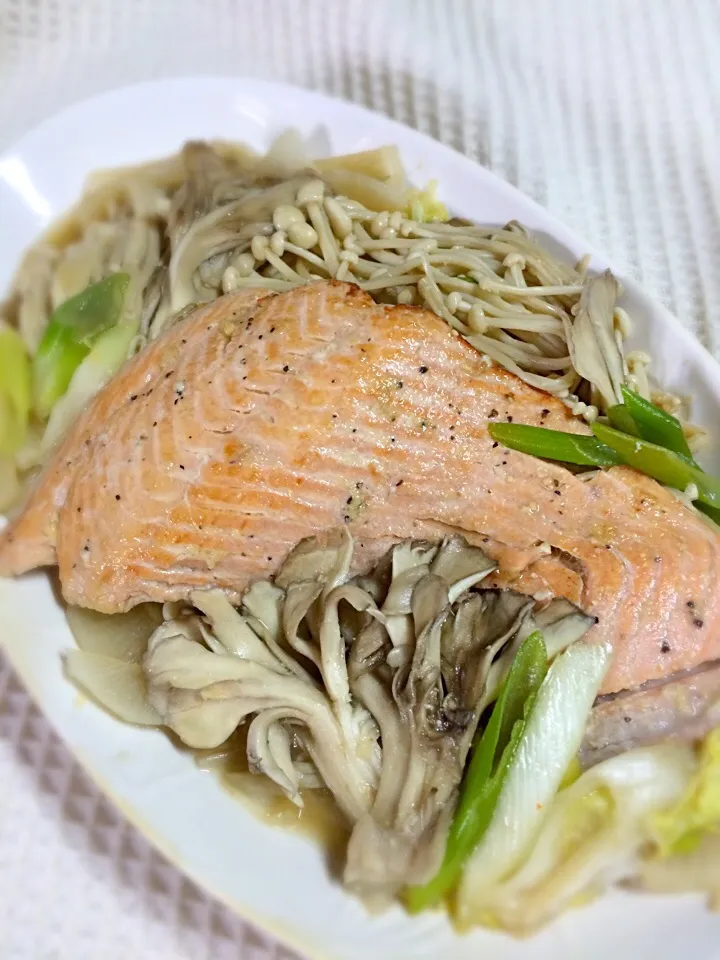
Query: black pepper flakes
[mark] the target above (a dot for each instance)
(399, 483)
(627, 719)
(133, 398)
(697, 622)
(493, 413)
(182, 466)
(349, 500)
(495, 444)
(286, 368)
(664, 647)
(509, 419)
(117, 496)
(691, 604)
(399, 384)
(423, 369)
(544, 413)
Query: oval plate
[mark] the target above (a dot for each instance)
(273, 877)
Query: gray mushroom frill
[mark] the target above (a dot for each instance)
(371, 686)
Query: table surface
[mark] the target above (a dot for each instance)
(605, 111)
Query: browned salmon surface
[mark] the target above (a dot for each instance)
(262, 419)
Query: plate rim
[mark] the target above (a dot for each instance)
(503, 186)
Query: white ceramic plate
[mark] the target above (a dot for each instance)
(275, 878)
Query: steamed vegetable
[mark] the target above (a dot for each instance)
(610, 447)
(488, 768)
(553, 444)
(620, 418)
(14, 391)
(592, 837)
(549, 743)
(120, 687)
(424, 206)
(653, 424)
(697, 871)
(669, 468)
(122, 636)
(680, 829)
(105, 358)
(10, 488)
(73, 329)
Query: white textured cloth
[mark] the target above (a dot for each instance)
(605, 111)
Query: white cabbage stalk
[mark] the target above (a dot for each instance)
(122, 636)
(695, 872)
(118, 686)
(550, 742)
(9, 483)
(97, 369)
(591, 837)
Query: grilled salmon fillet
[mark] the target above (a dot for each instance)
(262, 419)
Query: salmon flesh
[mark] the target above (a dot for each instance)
(262, 419)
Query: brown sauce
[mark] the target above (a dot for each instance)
(319, 818)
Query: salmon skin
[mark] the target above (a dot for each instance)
(263, 419)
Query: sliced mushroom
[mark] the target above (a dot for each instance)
(594, 348)
(204, 694)
(561, 624)
(372, 686)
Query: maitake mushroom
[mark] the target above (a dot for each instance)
(372, 686)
